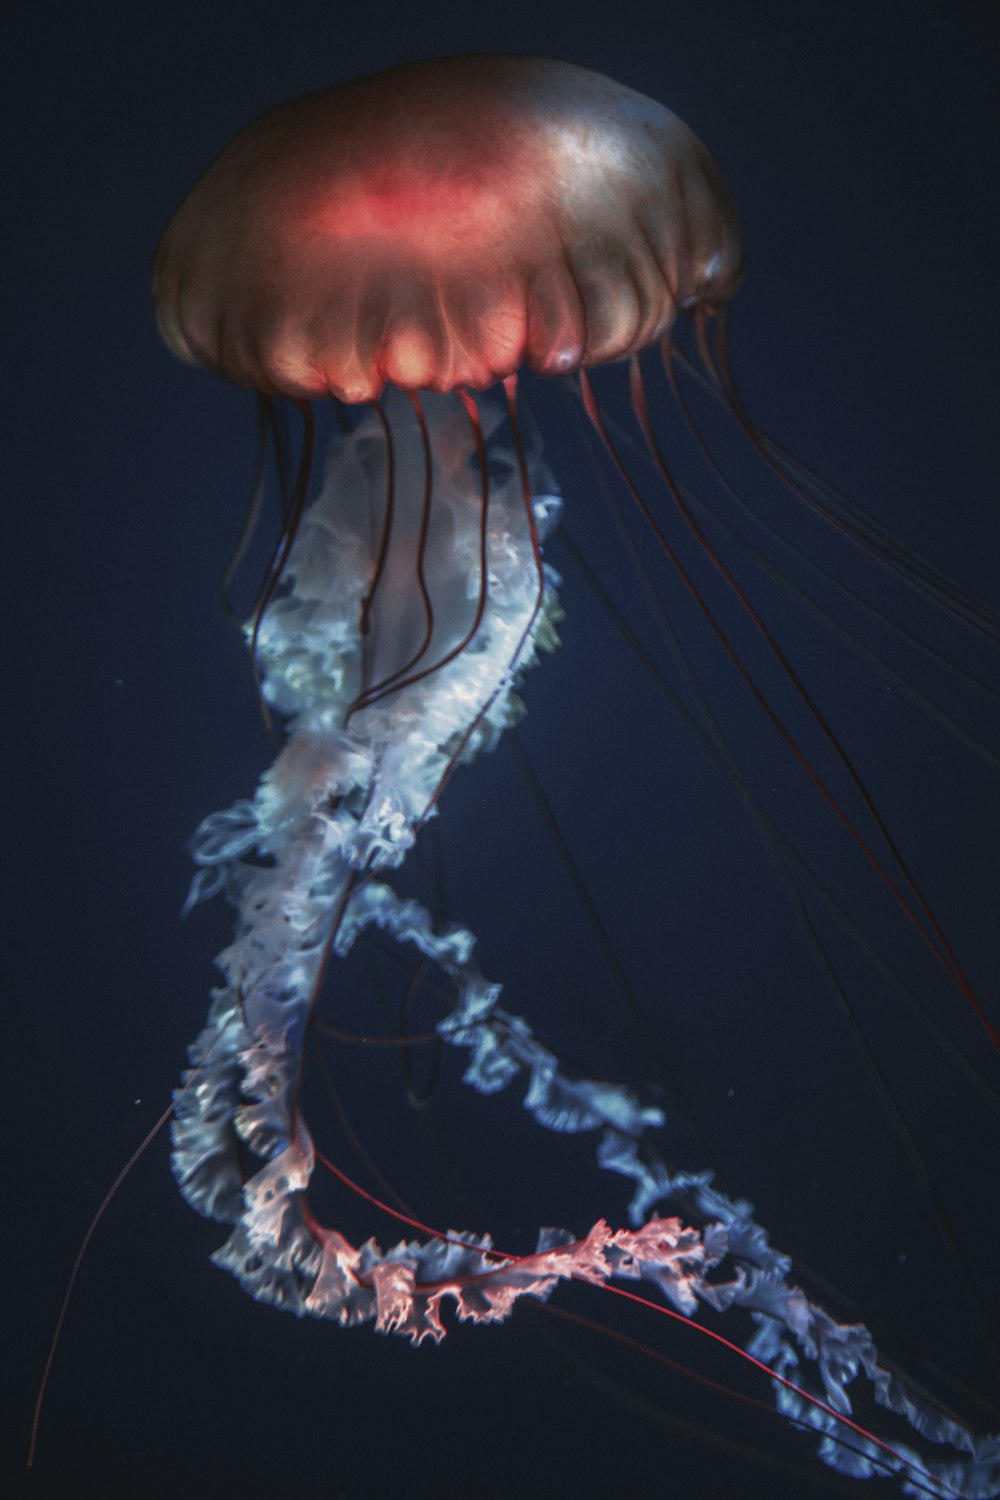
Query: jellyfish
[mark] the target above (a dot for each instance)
(400, 249)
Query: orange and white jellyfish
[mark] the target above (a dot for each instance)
(398, 245)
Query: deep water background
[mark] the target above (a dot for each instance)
(860, 144)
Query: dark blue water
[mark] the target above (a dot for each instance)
(858, 142)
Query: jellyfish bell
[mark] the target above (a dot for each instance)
(398, 244)
(441, 226)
